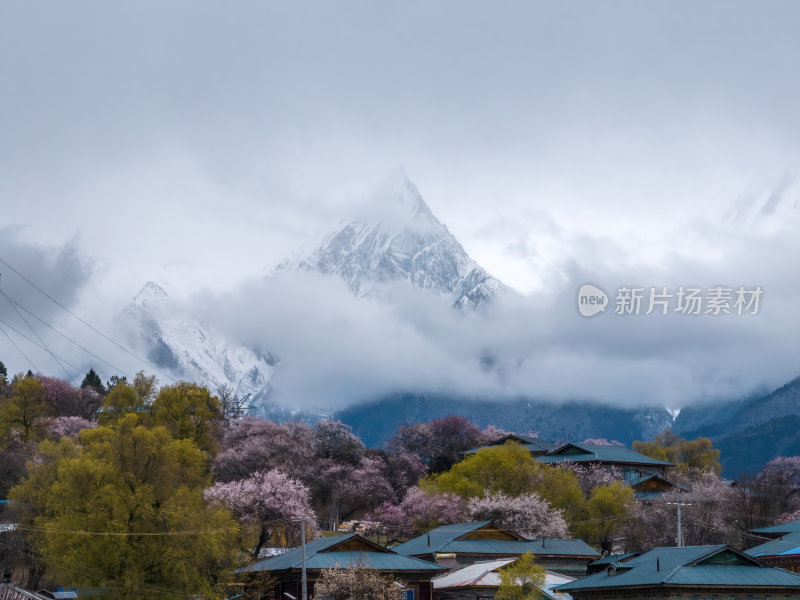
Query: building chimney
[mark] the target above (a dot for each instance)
(658, 563)
(429, 538)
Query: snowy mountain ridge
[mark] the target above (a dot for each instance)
(180, 343)
(399, 239)
(396, 239)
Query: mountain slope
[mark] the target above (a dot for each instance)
(575, 421)
(749, 432)
(399, 239)
(192, 350)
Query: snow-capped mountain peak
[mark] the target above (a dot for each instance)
(396, 237)
(152, 295)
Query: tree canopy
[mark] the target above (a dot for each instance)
(521, 580)
(114, 509)
(697, 454)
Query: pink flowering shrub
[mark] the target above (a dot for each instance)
(269, 498)
(528, 514)
(68, 427)
(420, 511)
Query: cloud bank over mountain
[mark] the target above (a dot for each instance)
(337, 346)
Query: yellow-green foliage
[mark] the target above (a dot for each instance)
(698, 454)
(190, 412)
(121, 401)
(22, 411)
(118, 485)
(511, 469)
(606, 512)
(521, 580)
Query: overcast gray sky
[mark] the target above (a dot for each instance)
(200, 143)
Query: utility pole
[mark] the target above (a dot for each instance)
(303, 583)
(679, 539)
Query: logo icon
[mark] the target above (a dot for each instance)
(591, 300)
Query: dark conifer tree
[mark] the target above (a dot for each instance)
(92, 380)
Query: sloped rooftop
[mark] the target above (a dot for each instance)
(718, 565)
(467, 538)
(533, 444)
(596, 453)
(786, 545)
(778, 530)
(343, 551)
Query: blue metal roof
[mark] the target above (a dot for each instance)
(688, 566)
(788, 544)
(430, 542)
(535, 547)
(782, 529)
(612, 558)
(530, 443)
(445, 539)
(321, 554)
(597, 453)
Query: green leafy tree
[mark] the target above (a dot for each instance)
(92, 380)
(145, 387)
(189, 412)
(22, 411)
(139, 492)
(521, 580)
(688, 455)
(114, 381)
(512, 470)
(606, 513)
(3, 374)
(122, 400)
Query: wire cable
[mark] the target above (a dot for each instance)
(19, 333)
(87, 324)
(65, 336)
(41, 341)
(35, 368)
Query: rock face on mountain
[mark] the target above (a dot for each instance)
(399, 239)
(181, 344)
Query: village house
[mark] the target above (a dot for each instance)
(651, 487)
(687, 573)
(480, 581)
(463, 544)
(341, 552)
(631, 464)
(776, 531)
(784, 550)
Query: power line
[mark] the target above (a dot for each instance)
(19, 333)
(13, 343)
(157, 533)
(65, 336)
(33, 331)
(87, 324)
